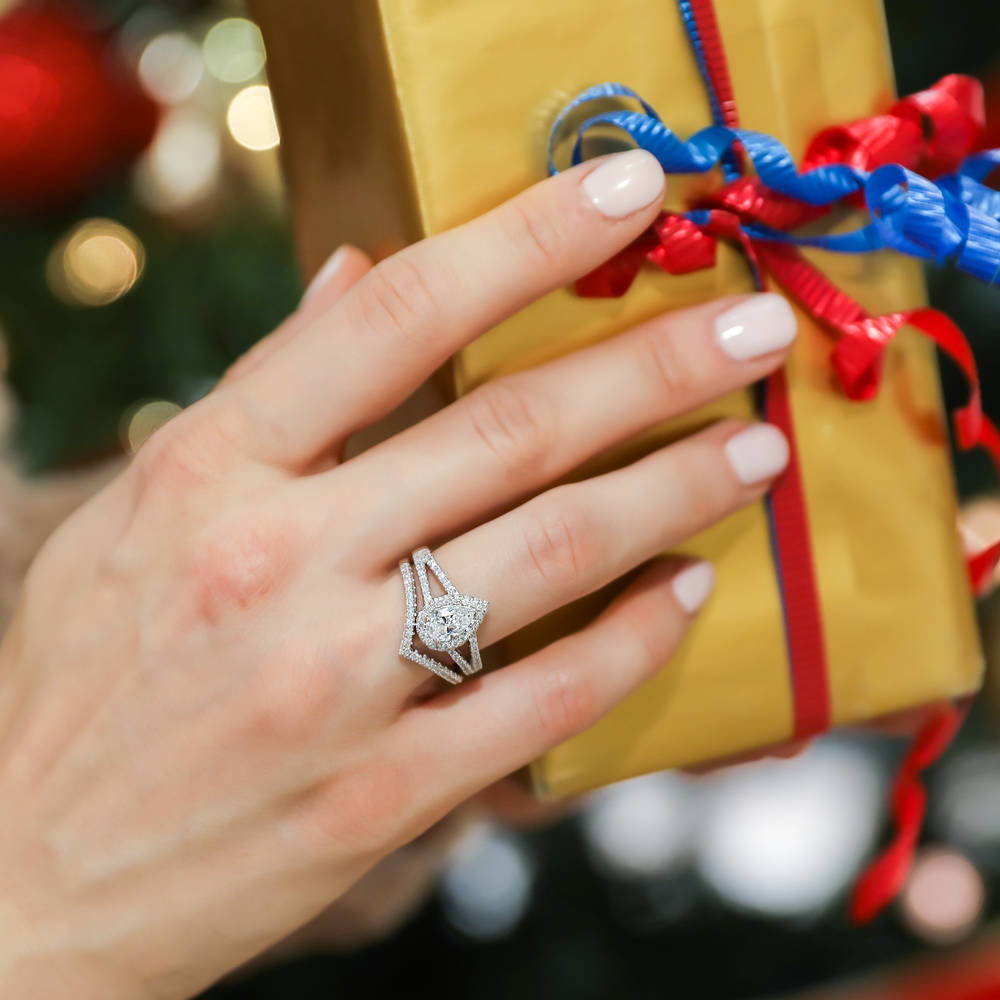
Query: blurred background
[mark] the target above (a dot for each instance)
(144, 245)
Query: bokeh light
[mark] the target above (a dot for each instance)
(784, 837)
(487, 887)
(170, 67)
(234, 50)
(966, 801)
(642, 828)
(944, 897)
(97, 263)
(251, 120)
(141, 421)
(183, 165)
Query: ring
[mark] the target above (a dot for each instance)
(443, 624)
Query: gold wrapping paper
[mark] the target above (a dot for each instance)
(401, 118)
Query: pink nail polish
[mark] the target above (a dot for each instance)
(624, 183)
(758, 325)
(692, 585)
(333, 264)
(758, 453)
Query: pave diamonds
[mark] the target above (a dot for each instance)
(444, 623)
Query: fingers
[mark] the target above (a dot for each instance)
(511, 802)
(514, 435)
(576, 538)
(341, 270)
(978, 529)
(979, 522)
(475, 734)
(344, 267)
(355, 361)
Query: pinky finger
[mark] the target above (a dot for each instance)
(343, 269)
(490, 727)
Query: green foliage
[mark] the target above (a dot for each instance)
(204, 297)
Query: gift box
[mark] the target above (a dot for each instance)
(403, 118)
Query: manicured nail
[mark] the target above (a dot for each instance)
(625, 183)
(758, 453)
(333, 264)
(692, 585)
(757, 326)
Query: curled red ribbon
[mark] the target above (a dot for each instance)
(882, 880)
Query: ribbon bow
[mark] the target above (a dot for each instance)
(914, 167)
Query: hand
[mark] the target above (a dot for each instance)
(206, 733)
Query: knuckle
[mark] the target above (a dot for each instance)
(508, 418)
(367, 809)
(303, 691)
(639, 643)
(193, 448)
(362, 634)
(709, 491)
(565, 702)
(663, 357)
(276, 716)
(399, 298)
(560, 542)
(237, 566)
(173, 459)
(536, 231)
(285, 709)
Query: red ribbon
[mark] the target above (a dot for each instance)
(882, 880)
(930, 132)
(789, 517)
(800, 592)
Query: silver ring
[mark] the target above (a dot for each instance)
(443, 624)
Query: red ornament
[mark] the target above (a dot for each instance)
(71, 112)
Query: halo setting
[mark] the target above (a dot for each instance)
(443, 624)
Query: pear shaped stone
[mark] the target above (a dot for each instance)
(447, 622)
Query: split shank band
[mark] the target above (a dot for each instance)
(443, 624)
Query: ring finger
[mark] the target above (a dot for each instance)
(576, 538)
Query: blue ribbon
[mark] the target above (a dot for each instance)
(730, 162)
(954, 219)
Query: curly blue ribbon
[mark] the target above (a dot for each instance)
(954, 219)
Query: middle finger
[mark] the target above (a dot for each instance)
(512, 436)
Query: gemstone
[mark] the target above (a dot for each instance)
(446, 623)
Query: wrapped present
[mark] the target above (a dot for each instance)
(846, 596)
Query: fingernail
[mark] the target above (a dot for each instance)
(757, 326)
(625, 183)
(692, 585)
(333, 264)
(758, 453)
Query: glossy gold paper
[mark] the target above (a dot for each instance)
(401, 118)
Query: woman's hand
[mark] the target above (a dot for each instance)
(206, 731)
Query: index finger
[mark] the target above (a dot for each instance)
(356, 361)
